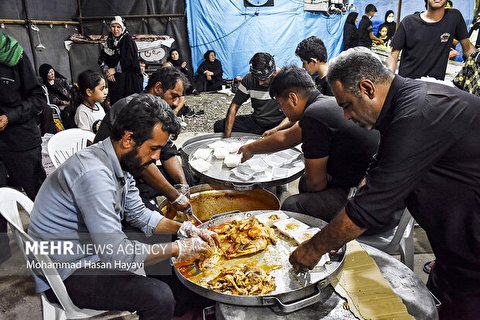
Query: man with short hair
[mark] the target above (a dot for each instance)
(336, 152)
(83, 202)
(428, 160)
(365, 28)
(168, 84)
(425, 40)
(313, 54)
(266, 112)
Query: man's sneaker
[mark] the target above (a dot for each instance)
(199, 113)
(190, 114)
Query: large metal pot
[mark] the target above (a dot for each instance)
(209, 200)
(290, 295)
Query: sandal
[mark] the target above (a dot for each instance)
(427, 267)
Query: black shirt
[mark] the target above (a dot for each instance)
(326, 133)
(105, 129)
(350, 36)
(429, 160)
(425, 46)
(364, 29)
(323, 86)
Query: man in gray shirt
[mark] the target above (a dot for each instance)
(81, 206)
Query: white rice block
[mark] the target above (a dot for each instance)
(289, 154)
(249, 141)
(302, 236)
(200, 165)
(269, 218)
(220, 153)
(232, 160)
(290, 226)
(232, 147)
(218, 144)
(202, 153)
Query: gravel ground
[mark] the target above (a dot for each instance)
(215, 106)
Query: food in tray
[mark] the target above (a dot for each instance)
(202, 153)
(243, 280)
(220, 153)
(269, 218)
(244, 173)
(200, 165)
(218, 144)
(238, 238)
(290, 226)
(232, 160)
(232, 147)
(305, 235)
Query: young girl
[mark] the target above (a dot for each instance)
(89, 95)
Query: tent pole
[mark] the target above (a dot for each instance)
(399, 12)
(28, 24)
(79, 5)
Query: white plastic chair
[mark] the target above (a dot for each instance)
(66, 310)
(399, 238)
(66, 143)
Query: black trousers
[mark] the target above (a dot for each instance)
(244, 123)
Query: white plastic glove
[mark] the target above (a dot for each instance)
(187, 229)
(182, 203)
(190, 249)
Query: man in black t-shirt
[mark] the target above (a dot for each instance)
(427, 159)
(336, 151)
(365, 28)
(425, 40)
(313, 54)
(167, 83)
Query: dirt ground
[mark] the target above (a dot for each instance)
(215, 106)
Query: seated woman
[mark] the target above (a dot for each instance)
(59, 90)
(177, 62)
(209, 73)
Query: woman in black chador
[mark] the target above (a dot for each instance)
(350, 31)
(209, 73)
(119, 61)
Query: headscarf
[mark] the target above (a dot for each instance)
(352, 16)
(175, 63)
(205, 56)
(10, 50)
(111, 48)
(43, 71)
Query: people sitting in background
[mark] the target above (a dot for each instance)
(88, 97)
(365, 28)
(210, 73)
(83, 202)
(313, 54)
(167, 83)
(59, 90)
(390, 24)
(337, 152)
(350, 31)
(119, 62)
(182, 65)
(266, 111)
(144, 73)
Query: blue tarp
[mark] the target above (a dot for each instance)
(236, 33)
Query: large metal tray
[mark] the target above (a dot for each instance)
(290, 294)
(218, 173)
